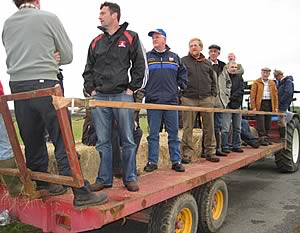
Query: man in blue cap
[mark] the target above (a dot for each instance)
(167, 75)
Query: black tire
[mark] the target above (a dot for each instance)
(287, 160)
(208, 195)
(180, 211)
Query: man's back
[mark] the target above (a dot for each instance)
(31, 37)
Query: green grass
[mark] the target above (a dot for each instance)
(19, 228)
(77, 123)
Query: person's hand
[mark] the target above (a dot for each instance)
(93, 93)
(254, 109)
(276, 109)
(135, 125)
(57, 57)
(129, 92)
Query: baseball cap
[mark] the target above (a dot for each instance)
(159, 31)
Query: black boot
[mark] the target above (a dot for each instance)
(282, 134)
(84, 198)
(82, 201)
(218, 146)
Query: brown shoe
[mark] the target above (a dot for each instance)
(212, 158)
(132, 187)
(97, 187)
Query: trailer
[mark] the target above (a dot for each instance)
(189, 202)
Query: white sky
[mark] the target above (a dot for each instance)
(260, 32)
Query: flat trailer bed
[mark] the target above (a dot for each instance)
(191, 202)
(56, 214)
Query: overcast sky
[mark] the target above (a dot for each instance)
(260, 32)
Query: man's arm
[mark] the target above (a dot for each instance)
(181, 75)
(88, 74)
(213, 77)
(253, 93)
(62, 42)
(137, 71)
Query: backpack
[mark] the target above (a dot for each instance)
(89, 136)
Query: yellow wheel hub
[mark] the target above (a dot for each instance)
(217, 206)
(184, 221)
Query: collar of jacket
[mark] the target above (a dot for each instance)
(122, 29)
(201, 58)
(260, 80)
(156, 52)
(28, 5)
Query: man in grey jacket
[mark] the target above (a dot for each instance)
(33, 40)
(223, 90)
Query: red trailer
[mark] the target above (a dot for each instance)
(193, 201)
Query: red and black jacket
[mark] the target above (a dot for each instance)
(109, 59)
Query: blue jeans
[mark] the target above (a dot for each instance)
(103, 118)
(235, 119)
(246, 134)
(5, 147)
(154, 122)
(218, 124)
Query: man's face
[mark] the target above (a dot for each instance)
(265, 74)
(279, 77)
(195, 49)
(213, 54)
(159, 41)
(231, 57)
(232, 68)
(105, 17)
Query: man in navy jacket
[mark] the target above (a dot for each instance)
(167, 75)
(285, 88)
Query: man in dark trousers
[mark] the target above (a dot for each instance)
(285, 86)
(111, 55)
(223, 86)
(38, 37)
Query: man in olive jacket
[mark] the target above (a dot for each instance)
(200, 92)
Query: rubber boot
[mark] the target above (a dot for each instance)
(282, 134)
(13, 183)
(218, 147)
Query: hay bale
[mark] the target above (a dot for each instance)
(90, 159)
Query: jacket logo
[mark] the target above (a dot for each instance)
(150, 59)
(171, 59)
(122, 44)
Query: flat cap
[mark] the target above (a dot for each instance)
(266, 69)
(214, 46)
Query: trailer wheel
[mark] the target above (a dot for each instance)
(287, 160)
(178, 215)
(212, 200)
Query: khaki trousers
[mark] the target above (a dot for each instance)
(208, 138)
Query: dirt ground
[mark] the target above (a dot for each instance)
(90, 158)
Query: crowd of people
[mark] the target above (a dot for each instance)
(119, 69)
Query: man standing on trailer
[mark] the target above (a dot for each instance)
(110, 56)
(285, 87)
(200, 92)
(33, 39)
(264, 97)
(167, 76)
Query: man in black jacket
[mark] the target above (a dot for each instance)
(111, 55)
(235, 102)
(200, 92)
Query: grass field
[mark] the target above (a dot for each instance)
(77, 123)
